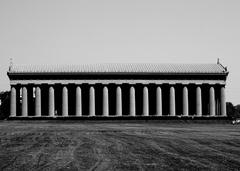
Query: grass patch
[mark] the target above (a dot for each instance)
(41, 145)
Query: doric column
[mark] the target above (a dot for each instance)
(223, 102)
(92, 102)
(119, 101)
(105, 102)
(172, 102)
(24, 102)
(212, 101)
(145, 102)
(78, 101)
(199, 101)
(159, 101)
(38, 102)
(51, 102)
(13, 103)
(64, 101)
(132, 102)
(185, 101)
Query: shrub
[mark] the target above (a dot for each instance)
(233, 111)
(5, 106)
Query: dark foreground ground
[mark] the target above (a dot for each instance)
(42, 145)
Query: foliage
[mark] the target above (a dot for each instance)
(4, 108)
(233, 111)
(237, 107)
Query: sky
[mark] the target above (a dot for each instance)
(121, 31)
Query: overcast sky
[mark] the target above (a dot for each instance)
(121, 31)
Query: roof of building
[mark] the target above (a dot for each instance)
(120, 68)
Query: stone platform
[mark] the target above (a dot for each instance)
(127, 119)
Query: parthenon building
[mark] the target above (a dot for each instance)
(118, 90)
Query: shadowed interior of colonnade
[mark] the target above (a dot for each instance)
(112, 91)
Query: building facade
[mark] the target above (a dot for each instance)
(118, 90)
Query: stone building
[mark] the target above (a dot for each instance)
(118, 90)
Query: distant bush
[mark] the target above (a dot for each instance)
(237, 107)
(233, 111)
(5, 106)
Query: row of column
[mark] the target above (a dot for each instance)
(105, 101)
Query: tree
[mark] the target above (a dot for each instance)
(233, 111)
(230, 109)
(237, 107)
(5, 106)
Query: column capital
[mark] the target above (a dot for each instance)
(185, 84)
(146, 85)
(212, 84)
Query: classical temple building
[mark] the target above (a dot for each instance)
(118, 90)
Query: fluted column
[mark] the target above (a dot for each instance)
(199, 101)
(172, 102)
(212, 102)
(24, 102)
(92, 102)
(13, 103)
(119, 101)
(132, 102)
(223, 102)
(185, 101)
(159, 101)
(38, 102)
(105, 102)
(145, 102)
(64, 101)
(51, 102)
(78, 101)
